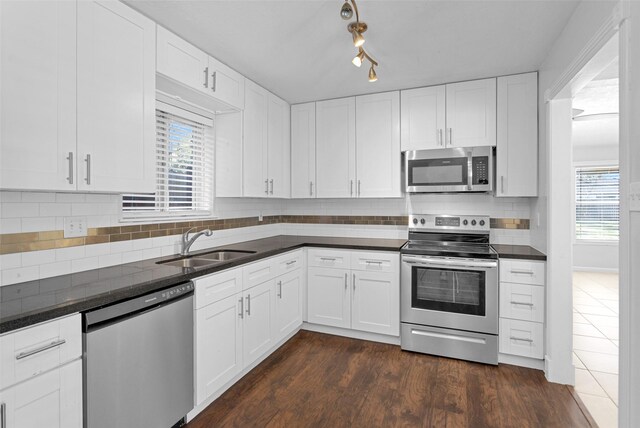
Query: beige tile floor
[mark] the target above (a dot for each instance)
(595, 344)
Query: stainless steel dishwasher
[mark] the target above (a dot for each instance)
(138, 361)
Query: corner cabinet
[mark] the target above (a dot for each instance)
(266, 144)
(91, 91)
(517, 149)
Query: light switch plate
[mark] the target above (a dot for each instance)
(634, 196)
(75, 227)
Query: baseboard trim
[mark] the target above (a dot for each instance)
(594, 269)
(354, 334)
(516, 360)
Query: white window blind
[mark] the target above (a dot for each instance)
(597, 203)
(184, 169)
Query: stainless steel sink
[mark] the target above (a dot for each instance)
(224, 255)
(207, 259)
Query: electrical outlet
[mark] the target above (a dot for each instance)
(75, 227)
(260, 217)
(634, 196)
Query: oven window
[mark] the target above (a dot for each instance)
(448, 290)
(437, 172)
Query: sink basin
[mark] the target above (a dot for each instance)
(191, 262)
(223, 255)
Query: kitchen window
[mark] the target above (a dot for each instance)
(184, 168)
(597, 203)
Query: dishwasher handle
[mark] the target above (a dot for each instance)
(99, 317)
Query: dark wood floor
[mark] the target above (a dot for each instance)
(318, 380)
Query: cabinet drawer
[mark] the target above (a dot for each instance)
(213, 288)
(375, 261)
(259, 272)
(289, 262)
(522, 271)
(524, 338)
(522, 302)
(30, 351)
(320, 257)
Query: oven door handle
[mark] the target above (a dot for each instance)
(449, 263)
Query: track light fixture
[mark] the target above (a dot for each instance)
(356, 29)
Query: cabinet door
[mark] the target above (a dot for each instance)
(423, 118)
(279, 148)
(378, 145)
(329, 297)
(517, 149)
(225, 84)
(259, 321)
(376, 302)
(116, 98)
(218, 345)
(182, 61)
(38, 103)
(336, 148)
(471, 113)
(52, 399)
(288, 313)
(254, 149)
(303, 150)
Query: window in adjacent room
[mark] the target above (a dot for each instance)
(184, 168)
(597, 203)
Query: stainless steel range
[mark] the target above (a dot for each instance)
(449, 288)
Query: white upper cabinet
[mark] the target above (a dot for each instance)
(423, 118)
(225, 84)
(278, 147)
(336, 148)
(116, 98)
(471, 113)
(182, 61)
(378, 145)
(303, 150)
(517, 149)
(254, 150)
(38, 102)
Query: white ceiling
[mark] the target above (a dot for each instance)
(301, 50)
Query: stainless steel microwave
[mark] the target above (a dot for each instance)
(464, 169)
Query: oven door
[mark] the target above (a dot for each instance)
(454, 293)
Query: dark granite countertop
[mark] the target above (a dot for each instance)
(523, 252)
(32, 302)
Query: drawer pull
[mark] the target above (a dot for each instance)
(55, 344)
(521, 339)
(522, 271)
(373, 262)
(521, 303)
(328, 259)
(291, 262)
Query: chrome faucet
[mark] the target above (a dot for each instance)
(187, 243)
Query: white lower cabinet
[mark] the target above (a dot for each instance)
(258, 321)
(41, 382)
(365, 297)
(523, 338)
(288, 309)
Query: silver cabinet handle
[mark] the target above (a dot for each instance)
(249, 304)
(351, 188)
(358, 188)
(354, 282)
(502, 183)
(88, 161)
(328, 259)
(291, 262)
(513, 302)
(3, 415)
(521, 339)
(440, 137)
(523, 272)
(346, 279)
(70, 159)
(241, 313)
(450, 137)
(271, 183)
(206, 77)
(51, 345)
(266, 186)
(280, 289)
(213, 81)
(373, 262)
(311, 188)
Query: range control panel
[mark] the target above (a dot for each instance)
(462, 223)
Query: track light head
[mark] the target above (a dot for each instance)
(346, 12)
(357, 60)
(358, 40)
(372, 74)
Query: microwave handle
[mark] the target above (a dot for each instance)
(449, 263)
(470, 170)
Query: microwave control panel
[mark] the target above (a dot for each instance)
(480, 168)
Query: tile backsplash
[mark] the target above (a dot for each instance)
(41, 212)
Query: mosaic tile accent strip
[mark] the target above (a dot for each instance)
(47, 240)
